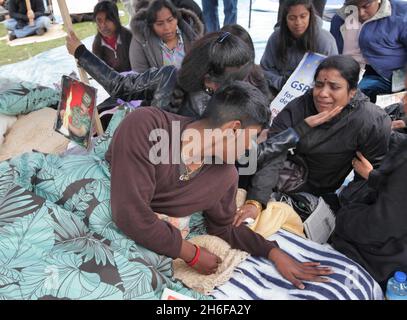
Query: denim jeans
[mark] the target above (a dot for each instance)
(373, 85)
(40, 22)
(211, 17)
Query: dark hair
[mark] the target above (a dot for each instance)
(356, 2)
(307, 42)
(347, 66)
(240, 32)
(112, 13)
(157, 5)
(256, 76)
(238, 100)
(210, 56)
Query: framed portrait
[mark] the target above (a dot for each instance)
(76, 111)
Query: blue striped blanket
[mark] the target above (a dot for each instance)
(256, 278)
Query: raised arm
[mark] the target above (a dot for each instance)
(154, 85)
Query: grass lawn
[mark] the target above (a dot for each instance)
(19, 53)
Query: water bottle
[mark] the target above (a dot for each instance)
(397, 287)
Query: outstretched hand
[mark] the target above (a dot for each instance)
(295, 271)
(322, 117)
(72, 42)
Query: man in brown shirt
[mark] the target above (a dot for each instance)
(149, 176)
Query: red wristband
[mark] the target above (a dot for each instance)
(196, 257)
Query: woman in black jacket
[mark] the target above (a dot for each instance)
(375, 234)
(327, 151)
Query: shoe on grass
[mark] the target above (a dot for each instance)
(12, 36)
(40, 31)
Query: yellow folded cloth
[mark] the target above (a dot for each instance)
(278, 215)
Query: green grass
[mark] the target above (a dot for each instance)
(19, 53)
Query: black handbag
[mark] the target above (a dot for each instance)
(293, 175)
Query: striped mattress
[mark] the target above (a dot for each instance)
(256, 278)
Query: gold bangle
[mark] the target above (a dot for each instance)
(256, 204)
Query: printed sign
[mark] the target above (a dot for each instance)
(300, 81)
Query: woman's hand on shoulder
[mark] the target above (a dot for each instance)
(362, 166)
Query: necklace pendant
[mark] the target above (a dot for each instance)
(184, 177)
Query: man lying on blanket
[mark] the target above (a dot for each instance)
(154, 169)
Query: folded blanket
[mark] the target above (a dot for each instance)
(205, 284)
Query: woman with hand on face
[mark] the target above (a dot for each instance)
(327, 149)
(161, 35)
(300, 31)
(374, 233)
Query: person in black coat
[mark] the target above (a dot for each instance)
(375, 234)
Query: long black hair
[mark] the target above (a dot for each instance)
(307, 42)
(256, 76)
(112, 13)
(240, 32)
(209, 58)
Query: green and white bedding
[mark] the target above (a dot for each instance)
(57, 238)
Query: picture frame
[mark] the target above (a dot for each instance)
(76, 111)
